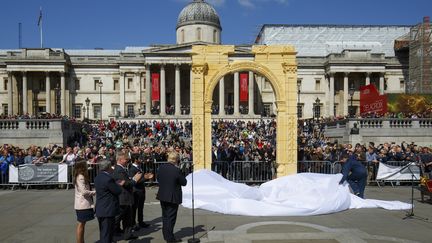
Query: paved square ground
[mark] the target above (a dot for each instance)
(47, 216)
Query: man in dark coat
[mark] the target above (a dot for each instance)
(358, 177)
(107, 201)
(126, 198)
(170, 194)
(138, 192)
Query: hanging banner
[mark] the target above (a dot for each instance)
(410, 103)
(371, 101)
(155, 87)
(244, 79)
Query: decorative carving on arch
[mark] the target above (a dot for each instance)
(200, 68)
(289, 68)
(245, 65)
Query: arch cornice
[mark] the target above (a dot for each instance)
(244, 66)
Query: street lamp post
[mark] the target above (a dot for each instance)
(100, 84)
(351, 93)
(87, 101)
(298, 100)
(57, 99)
(317, 108)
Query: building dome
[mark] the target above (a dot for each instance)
(198, 12)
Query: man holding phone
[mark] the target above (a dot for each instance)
(126, 198)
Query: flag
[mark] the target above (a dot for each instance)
(40, 17)
(244, 86)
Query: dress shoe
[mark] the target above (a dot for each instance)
(143, 225)
(131, 237)
(174, 241)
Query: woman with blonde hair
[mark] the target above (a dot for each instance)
(83, 198)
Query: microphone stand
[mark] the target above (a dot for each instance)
(410, 215)
(193, 240)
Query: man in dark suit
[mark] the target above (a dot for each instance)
(107, 201)
(126, 198)
(170, 194)
(353, 172)
(138, 192)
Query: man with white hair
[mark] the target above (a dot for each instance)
(170, 194)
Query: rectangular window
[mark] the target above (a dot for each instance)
(96, 111)
(116, 84)
(130, 110)
(5, 109)
(300, 110)
(299, 83)
(77, 110)
(115, 109)
(267, 84)
(77, 84)
(5, 84)
(130, 83)
(96, 82)
(317, 84)
(402, 84)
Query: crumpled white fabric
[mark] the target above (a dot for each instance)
(295, 195)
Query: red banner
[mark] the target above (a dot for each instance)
(371, 101)
(155, 87)
(244, 80)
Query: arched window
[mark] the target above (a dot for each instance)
(198, 34)
(182, 36)
(214, 36)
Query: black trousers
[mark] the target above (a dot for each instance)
(169, 217)
(138, 206)
(125, 217)
(106, 229)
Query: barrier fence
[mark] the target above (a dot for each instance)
(237, 171)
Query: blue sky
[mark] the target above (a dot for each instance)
(115, 24)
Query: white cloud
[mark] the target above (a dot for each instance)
(245, 3)
(216, 2)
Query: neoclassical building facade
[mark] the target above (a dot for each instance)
(103, 84)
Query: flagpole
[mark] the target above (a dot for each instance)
(40, 27)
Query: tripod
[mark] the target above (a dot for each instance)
(193, 240)
(410, 215)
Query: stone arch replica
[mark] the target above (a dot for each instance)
(278, 64)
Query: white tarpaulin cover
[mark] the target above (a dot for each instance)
(296, 195)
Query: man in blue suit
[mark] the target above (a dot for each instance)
(353, 172)
(107, 201)
(170, 194)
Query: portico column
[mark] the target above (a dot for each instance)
(345, 95)
(368, 78)
(331, 94)
(24, 93)
(122, 94)
(381, 83)
(236, 93)
(10, 97)
(148, 91)
(138, 91)
(48, 92)
(177, 90)
(251, 94)
(162, 91)
(222, 97)
(63, 93)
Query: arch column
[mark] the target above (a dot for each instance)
(177, 91)
(368, 78)
(236, 94)
(331, 95)
(122, 94)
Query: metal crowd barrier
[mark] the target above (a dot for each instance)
(245, 171)
(405, 168)
(310, 166)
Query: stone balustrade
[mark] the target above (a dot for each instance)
(40, 132)
(380, 130)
